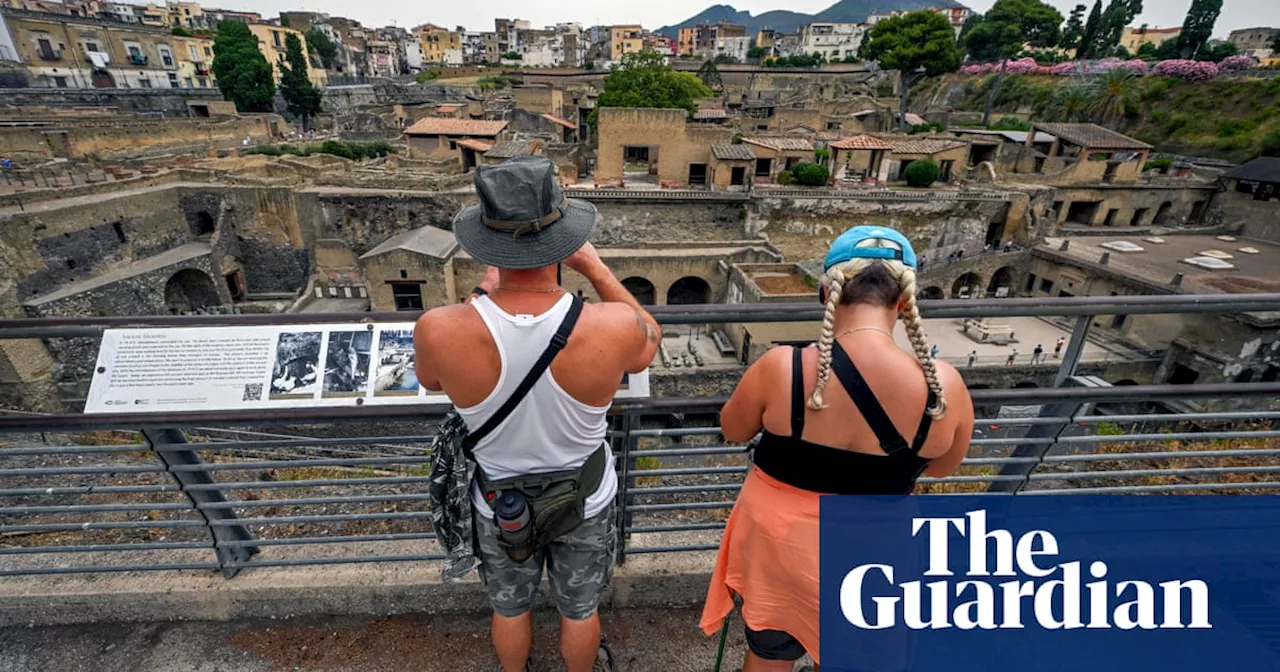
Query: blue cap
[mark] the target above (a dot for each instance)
(864, 242)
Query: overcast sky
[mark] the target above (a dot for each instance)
(656, 13)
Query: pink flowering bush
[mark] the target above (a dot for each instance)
(1063, 69)
(1238, 62)
(1022, 66)
(1191, 71)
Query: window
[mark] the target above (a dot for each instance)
(208, 51)
(833, 125)
(407, 295)
(275, 37)
(203, 82)
(453, 144)
(166, 57)
(1245, 187)
(60, 82)
(173, 80)
(91, 46)
(144, 83)
(186, 83)
(1046, 285)
(195, 53)
(1031, 283)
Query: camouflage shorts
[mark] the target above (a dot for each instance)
(579, 564)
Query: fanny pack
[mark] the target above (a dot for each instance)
(556, 499)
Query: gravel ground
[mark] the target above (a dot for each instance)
(641, 639)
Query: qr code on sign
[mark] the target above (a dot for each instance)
(252, 392)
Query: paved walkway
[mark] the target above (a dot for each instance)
(642, 640)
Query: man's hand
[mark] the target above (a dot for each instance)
(585, 261)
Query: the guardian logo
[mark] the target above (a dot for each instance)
(1038, 588)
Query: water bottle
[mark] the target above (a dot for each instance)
(515, 526)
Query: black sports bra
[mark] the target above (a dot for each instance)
(818, 468)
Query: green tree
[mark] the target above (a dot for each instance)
(922, 173)
(1119, 13)
(319, 44)
(1147, 51)
(1091, 28)
(1009, 25)
(1070, 104)
(915, 44)
(1074, 30)
(301, 97)
(1218, 52)
(179, 31)
(756, 53)
(1197, 28)
(244, 75)
(974, 20)
(709, 74)
(1114, 89)
(644, 79)
(810, 174)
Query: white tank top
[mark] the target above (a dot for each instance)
(549, 430)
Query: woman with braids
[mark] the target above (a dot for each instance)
(855, 415)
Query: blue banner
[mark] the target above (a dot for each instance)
(1050, 583)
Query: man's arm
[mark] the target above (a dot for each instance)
(646, 334)
(423, 366)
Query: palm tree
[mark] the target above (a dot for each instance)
(1108, 103)
(1071, 104)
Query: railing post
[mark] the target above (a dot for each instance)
(165, 443)
(1037, 446)
(623, 455)
(1075, 349)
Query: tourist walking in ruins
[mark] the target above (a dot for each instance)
(973, 357)
(1037, 355)
(1057, 348)
(532, 372)
(1013, 356)
(854, 414)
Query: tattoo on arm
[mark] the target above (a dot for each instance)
(645, 328)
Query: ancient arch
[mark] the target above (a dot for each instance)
(190, 290)
(1125, 381)
(1162, 214)
(1025, 385)
(964, 285)
(687, 290)
(932, 293)
(640, 288)
(203, 224)
(1003, 277)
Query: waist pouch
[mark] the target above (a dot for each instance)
(556, 500)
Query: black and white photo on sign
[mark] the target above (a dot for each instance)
(395, 376)
(346, 365)
(296, 373)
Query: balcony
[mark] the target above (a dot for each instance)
(202, 70)
(49, 54)
(137, 59)
(225, 491)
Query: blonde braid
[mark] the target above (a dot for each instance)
(919, 342)
(835, 284)
(906, 276)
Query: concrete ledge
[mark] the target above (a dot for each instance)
(375, 589)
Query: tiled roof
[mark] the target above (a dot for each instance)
(427, 240)
(915, 119)
(506, 150)
(1091, 136)
(800, 127)
(449, 108)
(732, 152)
(477, 145)
(924, 145)
(1261, 169)
(563, 122)
(711, 113)
(445, 126)
(782, 144)
(860, 142)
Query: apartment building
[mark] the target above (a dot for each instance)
(834, 41)
(628, 39)
(271, 42)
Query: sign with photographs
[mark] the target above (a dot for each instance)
(224, 368)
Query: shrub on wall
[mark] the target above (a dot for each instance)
(785, 177)
(922, 173)
(810, 174)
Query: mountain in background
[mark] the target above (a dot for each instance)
(844, 11)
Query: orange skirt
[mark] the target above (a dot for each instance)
(769, 557)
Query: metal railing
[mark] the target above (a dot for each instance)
(318, 486)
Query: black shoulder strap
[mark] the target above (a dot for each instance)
(797, 392)
(557, 343)
(926, 422)
(890, 440)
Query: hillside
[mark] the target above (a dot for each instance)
(1229, 118)
(844, 11)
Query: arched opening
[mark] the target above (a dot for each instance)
(1024, 385)
(966, 286)
(689, 290)
(1162, 215)
(932, 293)
(1245, 376)
(1002, 282)
(983, 410)
(102, 79)
(190, 290)
(203, 224)
(1126, 381)
(1270, 375)
(640, 288)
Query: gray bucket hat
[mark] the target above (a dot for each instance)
(523, 219)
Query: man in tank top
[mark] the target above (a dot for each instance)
(480, 351)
